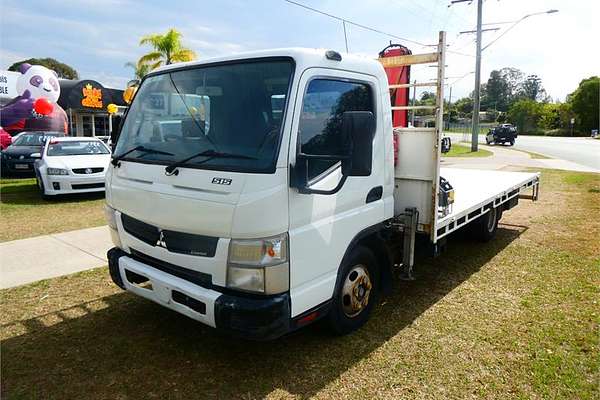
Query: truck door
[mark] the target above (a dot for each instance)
(322, 226)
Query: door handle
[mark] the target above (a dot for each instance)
(374, 194)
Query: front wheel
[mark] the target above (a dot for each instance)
(512, 142)
(357, 290)
(42, 188)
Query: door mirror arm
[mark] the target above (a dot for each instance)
(299, 173)
(357, 131)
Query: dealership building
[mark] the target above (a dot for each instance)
(84, 101)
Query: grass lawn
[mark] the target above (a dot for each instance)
(24, 214)
(514, 318)
(460, 150)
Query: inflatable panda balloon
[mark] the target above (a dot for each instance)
(35, 107)
(39, 82)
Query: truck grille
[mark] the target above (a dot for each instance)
(83, 186)
(94, 170)
(176, 242)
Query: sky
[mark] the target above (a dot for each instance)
(97, 38)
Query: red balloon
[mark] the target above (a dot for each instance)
(43, 106)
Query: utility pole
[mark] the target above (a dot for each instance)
(449, 107)
(414, 99)
(476, 92)
(476, 100)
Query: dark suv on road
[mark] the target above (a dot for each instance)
(505, 133)
(19, 157)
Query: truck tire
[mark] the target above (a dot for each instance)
(485, 227)
(356, 291)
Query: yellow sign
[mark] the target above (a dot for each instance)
(92, 97)
(112, 108)
(128, 94)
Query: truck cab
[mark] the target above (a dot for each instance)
(276, 166)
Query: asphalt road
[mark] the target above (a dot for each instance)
(584, 151)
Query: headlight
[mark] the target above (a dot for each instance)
(259, 265)
(57, 171)
(111, 219)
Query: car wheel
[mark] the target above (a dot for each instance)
(357, 290)
(42, 188)
(511, 143)
(485, 227)
(487, 141)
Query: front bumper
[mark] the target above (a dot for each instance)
(257, 318)
(69, 184)
(17, 166)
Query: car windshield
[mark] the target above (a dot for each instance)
(76, 148)
(232, 108)
(31, 139)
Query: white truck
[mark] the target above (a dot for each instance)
(274, 198)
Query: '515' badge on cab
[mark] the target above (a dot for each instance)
(221, 181)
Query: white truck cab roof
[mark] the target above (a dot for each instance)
(303, 57)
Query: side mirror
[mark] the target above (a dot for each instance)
(446, 145)
(36, 155)
(358, 128)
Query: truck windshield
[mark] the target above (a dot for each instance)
(230, 108)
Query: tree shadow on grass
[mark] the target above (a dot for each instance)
(133, 348)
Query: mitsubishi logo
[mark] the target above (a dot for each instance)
(88, 170)
(161, 240)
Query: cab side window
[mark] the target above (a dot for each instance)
(321, 119)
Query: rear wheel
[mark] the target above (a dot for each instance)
(357, 289)
(512, 142)
(485, 227)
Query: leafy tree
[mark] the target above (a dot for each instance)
(63, 71)
(584, 104)
(525, 114)
(464, 106)
(428, 96)
(532, 88)
(167, 49)
(140, 69)
(550, 116)
(501, 89)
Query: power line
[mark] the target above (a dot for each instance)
(346, 21)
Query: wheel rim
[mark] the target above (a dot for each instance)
(356, 291)
(491, 220)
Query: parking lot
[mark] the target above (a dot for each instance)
(516, 317)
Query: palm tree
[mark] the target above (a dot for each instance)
(140, 69)
(167, 49)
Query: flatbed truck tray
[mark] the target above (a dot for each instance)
(476, 191)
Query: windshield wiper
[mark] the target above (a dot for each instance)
(171, 169)
(142, 149)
